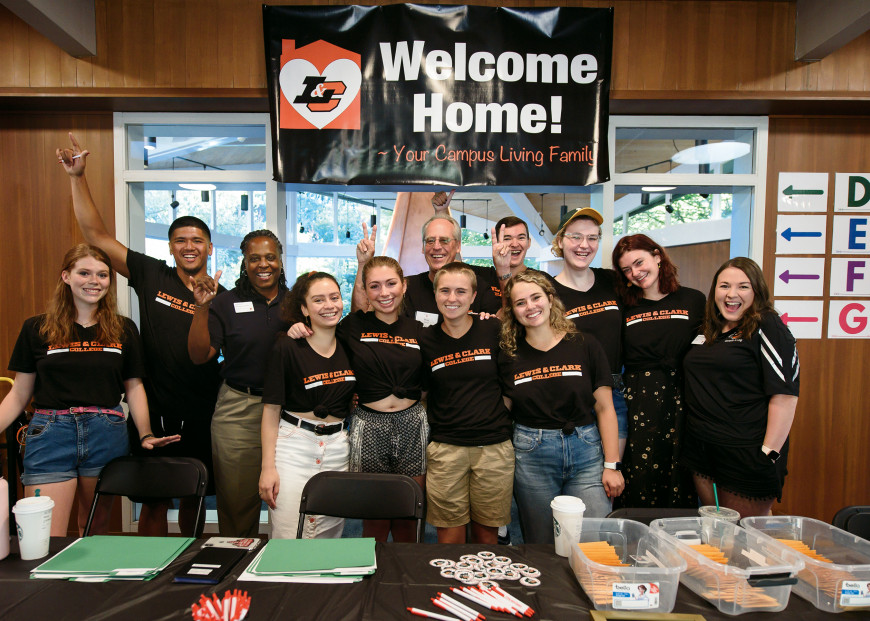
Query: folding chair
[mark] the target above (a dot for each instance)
(153, 477)
(854, 519)
(362, 495)
(647, 514)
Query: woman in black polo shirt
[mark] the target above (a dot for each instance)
(742, 384)
(307, 397)
(242, 324)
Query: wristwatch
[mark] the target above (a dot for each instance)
(771, 454)
(613, 465)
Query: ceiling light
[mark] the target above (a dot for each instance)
(712, 153)
(150, 143)
(658, 188)
(202, 187)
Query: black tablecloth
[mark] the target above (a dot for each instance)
(404, 579)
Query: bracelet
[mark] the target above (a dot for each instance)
(504, 276)
(206, 305)
(146, 436)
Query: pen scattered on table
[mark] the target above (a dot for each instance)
(233, 607)
(491, 597)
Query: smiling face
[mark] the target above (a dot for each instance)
(579, 253)
(641, 268)
(88, 280)
(734, 295)
(384, 290)
(190, 247)
(439, 245)
(323, 304)
(454, 295)
(263, 265)
(530, 304)
(519, 243)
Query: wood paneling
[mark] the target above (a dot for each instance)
(829, 457)
(698, 262)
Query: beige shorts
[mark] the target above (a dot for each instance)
(469, 483)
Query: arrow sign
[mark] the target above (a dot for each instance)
(786, 319)
(785, 276)
(790, 191)
(788, 234)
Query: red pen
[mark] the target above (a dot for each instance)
(431, 615)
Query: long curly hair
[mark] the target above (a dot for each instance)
(243, 283)
(713, 319)
(58, 323)
(668, 282)
(291, 308)
(512, 330)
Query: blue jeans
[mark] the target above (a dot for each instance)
(550, 464)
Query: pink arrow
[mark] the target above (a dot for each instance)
(786, 319)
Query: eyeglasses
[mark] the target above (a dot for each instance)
(443, 241)
(592, 239)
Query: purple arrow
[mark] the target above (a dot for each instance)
(785, 276)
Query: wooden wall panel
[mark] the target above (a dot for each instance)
(662, 49)
(698, 262)
(829, 458)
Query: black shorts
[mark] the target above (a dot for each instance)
(742, 470)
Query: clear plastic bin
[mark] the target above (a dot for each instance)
(755, 575)
(839, 586)
(650, 581)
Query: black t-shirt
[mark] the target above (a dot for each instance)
(301, 380)
(552, 388)
(244, 331)
(596, 312)
(385, 357)
(464, 402)
(81, 373)
(658, 333)
(729, 383)
(420, 295)
(177, 389)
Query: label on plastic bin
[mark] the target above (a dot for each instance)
(855, 593)
(635, 595)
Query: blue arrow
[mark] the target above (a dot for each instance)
(785, 276)
(788, 234)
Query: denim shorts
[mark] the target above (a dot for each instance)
(60, 447)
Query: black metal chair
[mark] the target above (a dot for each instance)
(362, 495)
(153, 477)
(854, 519)
(647, 514)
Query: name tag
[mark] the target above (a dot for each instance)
(244, 307)
(427, 319)
(699, 340)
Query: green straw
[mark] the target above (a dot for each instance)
(716, 497)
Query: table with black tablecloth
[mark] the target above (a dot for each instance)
(404, 578)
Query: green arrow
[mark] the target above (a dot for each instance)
(790, 191)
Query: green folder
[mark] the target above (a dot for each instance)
(316, 556)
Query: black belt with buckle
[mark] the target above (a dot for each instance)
(257, 392)
(319, 429)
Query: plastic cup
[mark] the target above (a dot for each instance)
(567, 522)
(33, 519)
(723, 513)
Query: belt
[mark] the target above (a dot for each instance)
(83, 410)
(257, 392)
(319, 429)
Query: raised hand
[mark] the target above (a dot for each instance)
(205, 288)
(441, 200)
(501, 252)
(365, 249)
(73, 160)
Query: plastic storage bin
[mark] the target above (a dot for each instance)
(752, 573)
(648, 582)
(837, 586)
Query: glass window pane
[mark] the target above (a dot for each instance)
(685, 150)
(315, 218)
(344, 271)
(196, 147)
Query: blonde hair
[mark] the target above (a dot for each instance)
(512, 330)
(57, 327)
(457, 267)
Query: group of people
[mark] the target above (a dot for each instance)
(484, 384)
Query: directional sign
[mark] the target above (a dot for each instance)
(852, 192)
(850, 276)
(803, 317)
(851, 235)
(804, 192)
(801, 234)
(849, 319)
(799, 277)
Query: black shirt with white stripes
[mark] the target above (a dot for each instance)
(729, 383)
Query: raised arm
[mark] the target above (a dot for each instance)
(365, 250)
(198, 339)
(89, 220)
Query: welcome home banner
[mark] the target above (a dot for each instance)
(439, 95)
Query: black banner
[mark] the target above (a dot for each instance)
(444, 95)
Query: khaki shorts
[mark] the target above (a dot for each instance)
(469, 483)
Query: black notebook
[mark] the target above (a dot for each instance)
(210, 565)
